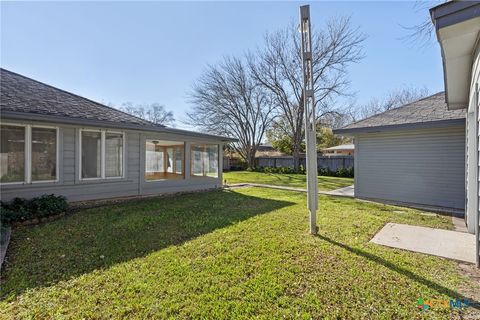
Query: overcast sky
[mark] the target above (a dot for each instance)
(146, 52)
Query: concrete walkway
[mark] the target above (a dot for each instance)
(443, 243)
(342, 192)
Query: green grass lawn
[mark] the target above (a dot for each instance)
(288, 180)
(244, 253)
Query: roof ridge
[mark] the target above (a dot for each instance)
(383, 112)
(79, 96)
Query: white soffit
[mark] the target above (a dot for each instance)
(458, 42)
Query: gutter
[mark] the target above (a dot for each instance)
(453, 12)
(417, 125)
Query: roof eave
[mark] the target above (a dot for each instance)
(417, 125)
(453, 12)
(107, 124)
(446, 15)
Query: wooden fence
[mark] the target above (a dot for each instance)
(331, 163)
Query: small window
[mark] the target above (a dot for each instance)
(163, 160)
(102, 154)
(44, 154)
(204, 160)
(12, 154)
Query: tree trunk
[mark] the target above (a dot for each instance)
(252, 163)
(251, 158)
(296, 157)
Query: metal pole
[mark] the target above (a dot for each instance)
(310, 121)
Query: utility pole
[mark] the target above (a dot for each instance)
(310, 123)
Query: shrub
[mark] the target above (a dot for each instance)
(302, 169)
(48, 205)
(20, 209)
(284, 170)
(341, 172)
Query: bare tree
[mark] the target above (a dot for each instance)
(392, 100)
(227, 101)
(154, 112)
(421, 34)
(277, 67)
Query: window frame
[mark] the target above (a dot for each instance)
(103, 133)
(27, 179)
(204, 148)
(165, 156)
(57, 155)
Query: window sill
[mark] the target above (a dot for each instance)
(35, 184)
(101, 180)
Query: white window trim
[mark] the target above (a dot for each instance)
(27, 179)
(103, 133)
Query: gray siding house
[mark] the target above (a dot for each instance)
(413, 154)
(53, 141)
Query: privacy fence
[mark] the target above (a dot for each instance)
(330, 163)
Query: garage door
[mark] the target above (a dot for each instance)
(424, 166)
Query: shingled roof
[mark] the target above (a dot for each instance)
(27, 99)
(422, 113)
(21, 94)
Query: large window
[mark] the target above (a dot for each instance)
(12, 154)
(164, 160)
(28, 154)
(204, 161)
(102, 154)
(44, 154)
(113, 155)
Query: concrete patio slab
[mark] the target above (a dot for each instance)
(443, 243)
(345, 192)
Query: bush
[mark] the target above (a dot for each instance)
(20, 209)
(341, 172)
(284, 170)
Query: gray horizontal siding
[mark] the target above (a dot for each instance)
(73, 192)
(193, 183)
(133, 184)
(425, 166)
(68, 155)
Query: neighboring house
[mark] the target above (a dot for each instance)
(341, 150)
(424, 152)
(53, 141)
(413, 154)
(267, 150)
